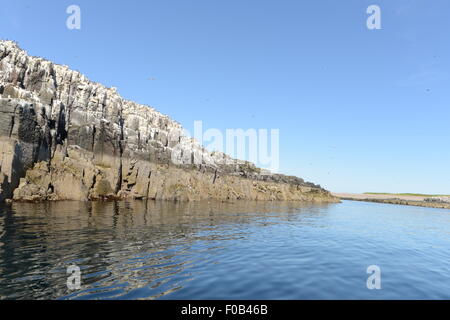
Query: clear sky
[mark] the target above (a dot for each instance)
(358, 110)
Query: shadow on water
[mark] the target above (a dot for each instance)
(126, 250)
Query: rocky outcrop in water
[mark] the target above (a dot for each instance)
(438, 200)
(63, 137)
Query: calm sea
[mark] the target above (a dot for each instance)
(242, 250)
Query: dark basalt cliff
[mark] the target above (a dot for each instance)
(63, 137)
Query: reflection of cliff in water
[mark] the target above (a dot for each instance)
(151, 245)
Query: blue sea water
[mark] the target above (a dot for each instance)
(212, 250)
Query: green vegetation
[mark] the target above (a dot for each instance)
(409, 194)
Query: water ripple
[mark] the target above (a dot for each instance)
(242, 250)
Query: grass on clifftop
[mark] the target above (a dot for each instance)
(408, 194)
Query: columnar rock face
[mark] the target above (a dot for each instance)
(63, 137)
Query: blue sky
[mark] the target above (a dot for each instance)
(358, 110)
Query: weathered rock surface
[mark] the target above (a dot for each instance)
(63, 137)
(438, 200)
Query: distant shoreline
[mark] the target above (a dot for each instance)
(407, 194)
(399, 199)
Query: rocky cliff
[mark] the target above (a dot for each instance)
(63, 137)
